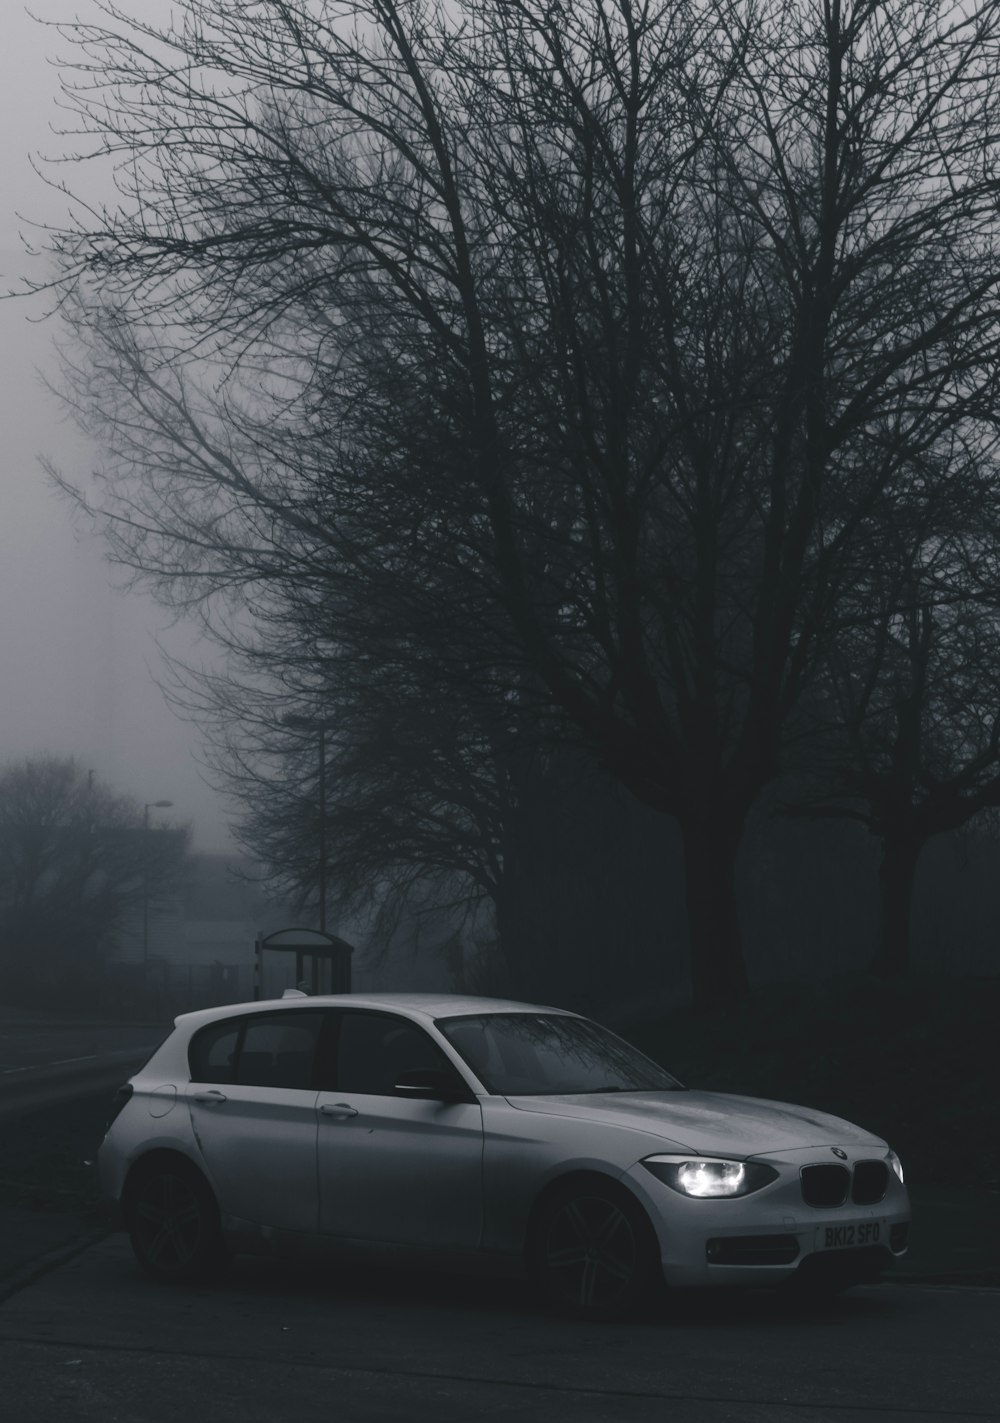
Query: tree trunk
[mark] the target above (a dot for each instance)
(718, 970)
(514, 974)
(896, 875)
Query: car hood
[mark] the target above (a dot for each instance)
(713, 1123)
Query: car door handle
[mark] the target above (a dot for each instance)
(210, 1097)
(338, 1109)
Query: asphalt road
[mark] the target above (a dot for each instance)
(48, 1061)
(93, 1339)
(57, 1079)
(31, 1041)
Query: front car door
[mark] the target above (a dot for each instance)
(393, 1169)
(252, 1099)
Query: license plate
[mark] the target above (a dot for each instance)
(848, 1237)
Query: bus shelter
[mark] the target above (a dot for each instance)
(322, 962)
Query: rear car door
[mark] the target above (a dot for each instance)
(252, 1098)
(391, 1168)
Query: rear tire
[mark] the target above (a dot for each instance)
(592, 1252)
(173, 1223)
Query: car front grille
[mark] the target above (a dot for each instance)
(830, 1185)
(870, 1181)
(825, 1185)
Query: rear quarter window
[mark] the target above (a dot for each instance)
(212, 1052)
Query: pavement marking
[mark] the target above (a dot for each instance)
(32, 1270)
(54, 1062)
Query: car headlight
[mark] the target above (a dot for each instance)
(896, 1164)
(710, 1176)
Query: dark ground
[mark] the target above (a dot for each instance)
(48, 1197)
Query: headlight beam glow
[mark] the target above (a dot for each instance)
(710, 1178)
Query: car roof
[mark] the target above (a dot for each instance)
(419, 1005)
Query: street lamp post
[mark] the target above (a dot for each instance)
(305, 723)
(322, 829)
(150, 805)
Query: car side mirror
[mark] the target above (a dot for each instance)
(428, 1085)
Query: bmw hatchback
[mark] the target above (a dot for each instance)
(516, 1138)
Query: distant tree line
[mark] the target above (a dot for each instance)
(525, 394)
(76, 863)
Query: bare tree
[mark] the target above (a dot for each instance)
(585, 340)
(413, 793)
(911, 745)
(74, 859)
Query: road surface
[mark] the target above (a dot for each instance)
(93, 1339)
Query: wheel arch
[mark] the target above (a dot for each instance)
(161, 1156)
(578, 1176)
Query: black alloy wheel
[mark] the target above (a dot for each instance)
(173, 1223)
(593, 1252)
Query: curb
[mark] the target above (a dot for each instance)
(979, 1278)
(25, 1275)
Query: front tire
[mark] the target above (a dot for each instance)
(173, 1224)
(592, 1252)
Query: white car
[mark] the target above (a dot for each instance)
(457, 1129)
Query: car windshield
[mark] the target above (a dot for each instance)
(541, 1054)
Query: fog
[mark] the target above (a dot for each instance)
(78, 655)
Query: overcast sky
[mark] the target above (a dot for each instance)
(77, 658)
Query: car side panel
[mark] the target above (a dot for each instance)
(524, 1151)
(401, 1171)
(259, 1149)
(155, 1118)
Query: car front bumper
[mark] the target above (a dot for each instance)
(771, 1234)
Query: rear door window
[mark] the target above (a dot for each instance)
(279, 1050)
